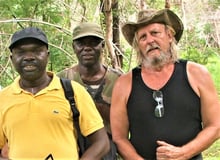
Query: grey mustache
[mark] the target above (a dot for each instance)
(151, 47)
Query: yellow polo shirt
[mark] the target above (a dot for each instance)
(36, 126)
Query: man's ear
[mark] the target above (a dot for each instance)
(103, 44)
(73, 44)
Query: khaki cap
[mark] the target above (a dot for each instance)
(87, 29)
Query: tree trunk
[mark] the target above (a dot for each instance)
(116, 33)
(107, 10)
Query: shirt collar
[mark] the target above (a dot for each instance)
(54, 84)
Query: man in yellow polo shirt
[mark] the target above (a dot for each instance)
(36, 119)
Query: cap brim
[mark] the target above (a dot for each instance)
(26, 37)
(86, 35)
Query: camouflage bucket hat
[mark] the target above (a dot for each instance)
(29, 32)
(145, 17)
(87, 29)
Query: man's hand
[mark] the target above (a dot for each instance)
(167, 151)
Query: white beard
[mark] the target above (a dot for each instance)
(156, 61)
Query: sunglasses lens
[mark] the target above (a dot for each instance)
(159, 111)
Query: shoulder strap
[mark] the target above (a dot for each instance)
(69, 94)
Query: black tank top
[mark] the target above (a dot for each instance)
(181, 121)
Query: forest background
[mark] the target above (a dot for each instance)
(200, 41)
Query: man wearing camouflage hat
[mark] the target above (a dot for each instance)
(88, 45)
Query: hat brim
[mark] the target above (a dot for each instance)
(27, 37)
(88, 34)
(164, 16)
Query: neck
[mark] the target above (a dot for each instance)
(36, 85)
(157, 78)
(90, 70)
(158, 67)
(92, 73)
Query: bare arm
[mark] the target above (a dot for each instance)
(4, 151)
(119, 118)
(202, 84)
(99, 146)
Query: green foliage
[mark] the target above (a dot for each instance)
(213, 152)
(214, 68)
(26, 8)
(156, 3)
(57, 18)
(51, 17)
(196, 44)
(130, 60)
(214, 3)
(194, 54)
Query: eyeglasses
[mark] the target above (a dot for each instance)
(159, 109)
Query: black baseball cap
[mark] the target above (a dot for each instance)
(29, 32)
